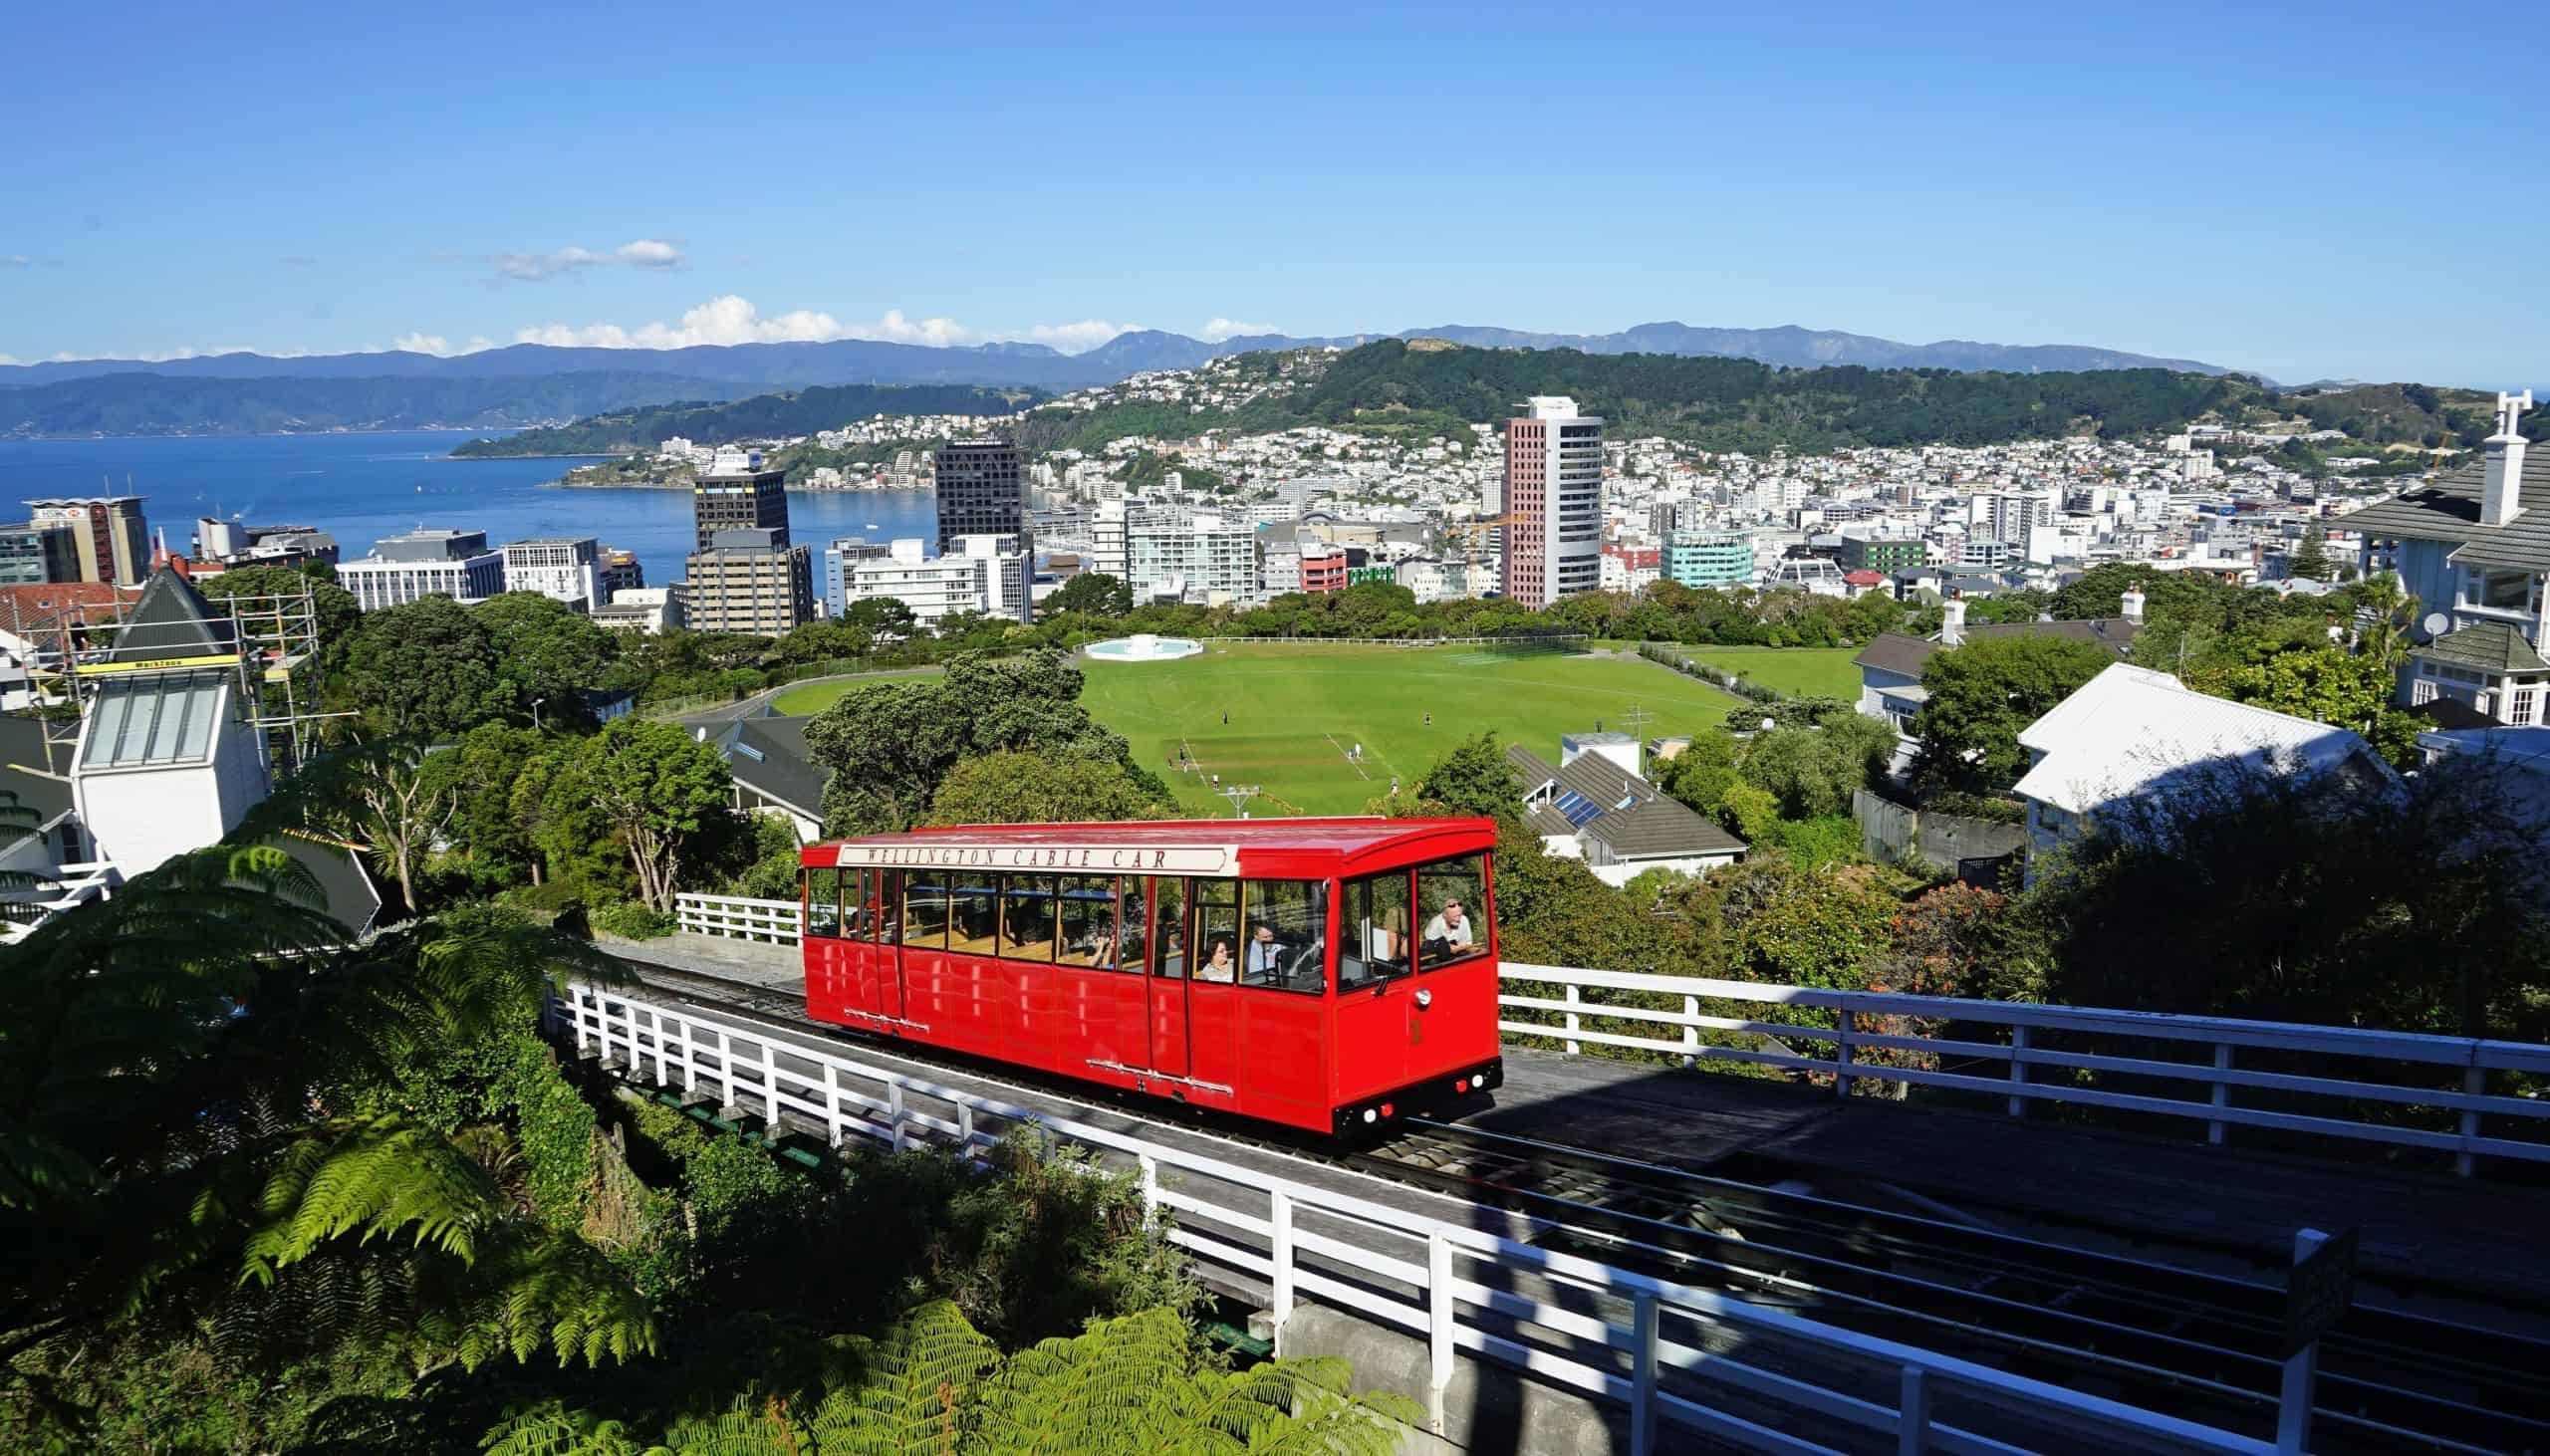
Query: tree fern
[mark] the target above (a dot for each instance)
(913, 1393)
(550, 1429)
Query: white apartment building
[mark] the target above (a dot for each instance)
(650, 610)
(2009, 514)
(420, 564)
(566, 567)
(987, 573)
(1204, 557)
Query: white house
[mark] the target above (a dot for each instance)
(1595, 806)
(2130, 735)
(2473, 546)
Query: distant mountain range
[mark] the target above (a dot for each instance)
(864, 362)
(528, 383)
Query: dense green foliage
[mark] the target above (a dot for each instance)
(1983, 695)
(763, 416)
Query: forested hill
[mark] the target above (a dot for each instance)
(160, 405)
(1718, 404)
(794, 413)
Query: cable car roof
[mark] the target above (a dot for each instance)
(1222, 848)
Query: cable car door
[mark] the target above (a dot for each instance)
(1376, 1010)
(1167, 984)
(884, 930)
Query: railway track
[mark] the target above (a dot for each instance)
(2198, 1344)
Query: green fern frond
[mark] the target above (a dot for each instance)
(551, 1429)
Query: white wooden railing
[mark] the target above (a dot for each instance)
(779, 923)
(1878, 1038)
(1911, 1035)
(72, 887)
(1609, 1333)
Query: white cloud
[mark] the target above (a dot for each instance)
(9, 359)
(637, 253)
(436, 345)
(647, 253)
(1221, 329)
(731, 319)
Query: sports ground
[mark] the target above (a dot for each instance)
(1297, 710)
(1807, 672)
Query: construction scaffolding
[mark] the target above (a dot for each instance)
(270, 641)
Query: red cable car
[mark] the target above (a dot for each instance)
(1325, 973)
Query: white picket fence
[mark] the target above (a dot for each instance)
(1609, 1333)
(1910, 1033)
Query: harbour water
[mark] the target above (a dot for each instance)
(361, 487)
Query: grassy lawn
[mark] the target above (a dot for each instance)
(1814, 673)
(807, 699)
(1295, 709)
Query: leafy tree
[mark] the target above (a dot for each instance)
(1026, 787)
(386, 798)
(657, 789)
(2310, 560)
(548, 653)
(562, 822)
(2328, 685)
(824, 640)
(882, 617)
(1474, 779)
(1701, 775)
(1983, 695)
(486, 839)
(2287, 901)
(427, 671)
(888, 745)
(2007, 606)
(931, 1383)
(333, 608)
(1815, 771)
(1801, 927)
(1096, 593)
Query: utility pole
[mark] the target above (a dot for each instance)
(1636, 718)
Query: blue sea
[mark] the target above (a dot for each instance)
(362, 487)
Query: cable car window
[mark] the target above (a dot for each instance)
(974, 915)
(1373, 918)
(1216, 930)
(926, 904)
(885, 905)
(1131, 921)
(1027, 917)
(1169, 934)
(1452, 896)
(1287, 945)
(854, 920)
(1087, 915)
(823, 903)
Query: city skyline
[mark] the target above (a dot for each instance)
(2237, 189)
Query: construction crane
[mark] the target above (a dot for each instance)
(1470, 533)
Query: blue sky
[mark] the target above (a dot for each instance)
(2309, 191)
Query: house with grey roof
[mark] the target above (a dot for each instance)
(774, 772)
(2473, 546)
(1595, 806)
(1891, 664)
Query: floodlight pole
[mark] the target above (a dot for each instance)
(1239, 795)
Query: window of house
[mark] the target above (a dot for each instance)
(2519, 705)
(823, 903)
(1286, 923)
(1452, 896)
(2421, 691)
(1372, 922)
(2496, 590)
(1085, 916)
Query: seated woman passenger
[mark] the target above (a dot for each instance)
(1217, 966)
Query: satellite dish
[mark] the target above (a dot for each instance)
(2437, 623)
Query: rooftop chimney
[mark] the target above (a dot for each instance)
(1952, 621)
(2131, 604)
(2501, 494)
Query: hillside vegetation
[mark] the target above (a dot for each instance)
(790, 413)
(156, 404)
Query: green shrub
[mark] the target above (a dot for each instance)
(632, 921)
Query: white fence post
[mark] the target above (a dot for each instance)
(835, 1127)
(1912, 1414)
(1572, 1046)
(689, 1063)
(1279, 1218)
(2214, 1131)
(894, 1112)
(1649, 1318)
(1842, 1052)
(1149, 1166)
(1440, 1312)
(1690, 1032)
(2301, 1372)
(2018, 1071)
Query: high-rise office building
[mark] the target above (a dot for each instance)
(750, 580)
(621, 571)
(1709, 557)
(737, 494)
(418, 563)
(982, 491)
(108, 533)
(38, 552)
(1554, 492)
